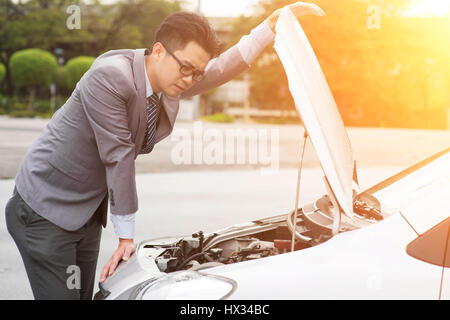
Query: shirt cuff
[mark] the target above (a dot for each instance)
(251, 45)
(123, 225)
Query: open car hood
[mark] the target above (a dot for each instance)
(317, 108)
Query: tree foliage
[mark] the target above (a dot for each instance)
(2, 72)
(43, 24)
(32, 67)
(74, 70)
(395, 75)
(125, 24)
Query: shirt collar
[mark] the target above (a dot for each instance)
(148, 86)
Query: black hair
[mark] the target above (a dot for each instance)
(182, 27)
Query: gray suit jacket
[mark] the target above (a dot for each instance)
(88, 149)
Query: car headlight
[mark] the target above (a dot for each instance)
(182, 285)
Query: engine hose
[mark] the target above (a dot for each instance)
(185, 262)
(293, 230)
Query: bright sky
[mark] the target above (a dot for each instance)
(429, 8)
(212, 8)
(222, 8)
(237, 7)
(230, 8)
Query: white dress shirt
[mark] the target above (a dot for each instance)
(250, 46)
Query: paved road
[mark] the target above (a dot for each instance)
(371, 146)
(180, 203)
(182, 199)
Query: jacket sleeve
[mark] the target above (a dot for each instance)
(233, 61)
(104, 91)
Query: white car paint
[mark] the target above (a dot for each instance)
(315, 103)
(419, 196)
(368, 263)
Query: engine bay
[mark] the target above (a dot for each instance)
(254, 240)
(191, 254)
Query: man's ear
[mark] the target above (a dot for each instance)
(157, 50)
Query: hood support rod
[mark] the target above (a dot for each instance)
(297, 195)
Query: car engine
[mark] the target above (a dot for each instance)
(254, 240)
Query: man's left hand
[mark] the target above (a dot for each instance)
(123, 252)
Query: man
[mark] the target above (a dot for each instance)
(124, 105)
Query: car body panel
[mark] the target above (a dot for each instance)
(127, 275)
(317, 108)
(369, 263)
(422, 196)
(445, 293)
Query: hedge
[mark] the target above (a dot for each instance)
(31, 67)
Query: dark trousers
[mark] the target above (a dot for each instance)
(60, 264)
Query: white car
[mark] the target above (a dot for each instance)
(391, 241)
(405, 255)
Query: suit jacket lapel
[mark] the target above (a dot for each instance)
(169, 104)
(139, 81)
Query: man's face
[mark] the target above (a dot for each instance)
(168, 77)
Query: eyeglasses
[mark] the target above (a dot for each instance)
(187, 70)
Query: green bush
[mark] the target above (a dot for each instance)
(219, 117)
(7, 103)
(18, 106)
(42, 106)
(64, 79)
(15, 107)
(22, 114)
(74, 69)
(2, 72)
(4, 103)
(47, 115)
(31, 67)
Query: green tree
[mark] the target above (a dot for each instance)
(75, 68)
(43, 24)
(395, 75)
(63, 79)
(30, 24)
(126, 24)
(2, 73)
(31, 68)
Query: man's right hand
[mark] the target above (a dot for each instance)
(123, 252)
(298, 9)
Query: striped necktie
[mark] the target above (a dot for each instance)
(152, 117)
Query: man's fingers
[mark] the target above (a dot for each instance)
(115, 261)
(128, 252)
(109, 267)
(302, 8)
(104, 273)
(314, 7)
(123, 252)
